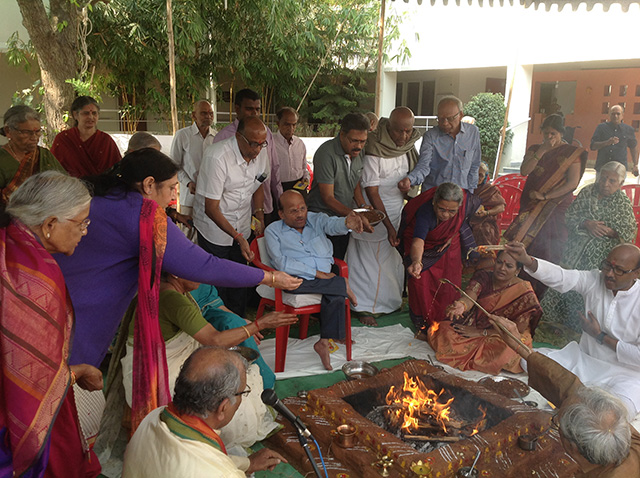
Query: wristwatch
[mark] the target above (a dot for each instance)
(600, 337)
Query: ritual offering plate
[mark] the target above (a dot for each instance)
(373, 215)
(248, 353)
(505, 386)
(357, 369)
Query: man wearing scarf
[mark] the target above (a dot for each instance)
(375, 266)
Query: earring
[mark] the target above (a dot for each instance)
(48, 235)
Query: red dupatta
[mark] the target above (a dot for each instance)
(36, 324)
(150, 375)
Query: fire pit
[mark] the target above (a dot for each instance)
(416, 420)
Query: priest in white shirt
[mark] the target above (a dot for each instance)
(609, 351)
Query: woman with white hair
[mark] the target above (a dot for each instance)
(38, 427)
(21, 157)
(599, 219)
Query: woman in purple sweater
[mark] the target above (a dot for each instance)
(102, 274)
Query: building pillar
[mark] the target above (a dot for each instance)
(388, 92)
(518, 115)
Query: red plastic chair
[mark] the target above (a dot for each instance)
(303, 305)
(633, 192)
(513, 179)
(511, 195)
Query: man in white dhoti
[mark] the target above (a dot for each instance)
(375, 266)
(609, 351)
(182, 439)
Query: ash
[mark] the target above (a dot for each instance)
(378, 416)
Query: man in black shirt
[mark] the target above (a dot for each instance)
(611, 140)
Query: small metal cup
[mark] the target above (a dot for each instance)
(467, 472)
(346, 435)
(527, 442)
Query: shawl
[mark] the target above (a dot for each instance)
(548, 175)
(587, 251)
(85, 158)
(191, 428)
(36, 324)
(150, 376)
(380, 144)
(40, 160)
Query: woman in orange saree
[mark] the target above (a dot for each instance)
(467, 340)
(553, 171)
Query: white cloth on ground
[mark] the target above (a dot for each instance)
(376, 273)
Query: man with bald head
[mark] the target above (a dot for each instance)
(375, 266)
(248, 103)
(612, 139)
(298, 244)
(232, 178)
(183, 438)
(187, 148)
(609, 351)
(449, 153)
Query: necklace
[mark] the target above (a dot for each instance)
(9, 147)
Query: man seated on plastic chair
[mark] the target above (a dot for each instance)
(298, 244)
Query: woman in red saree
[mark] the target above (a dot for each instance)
(84, 150)
(48, 214)
(554, 169)
(435, 237)
(467, 341)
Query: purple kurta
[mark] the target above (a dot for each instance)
(102, 273)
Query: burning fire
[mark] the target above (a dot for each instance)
(417, 409)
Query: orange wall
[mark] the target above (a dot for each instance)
(587, 113)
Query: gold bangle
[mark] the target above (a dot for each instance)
(246, 331)
(273, 279)
(74, 379)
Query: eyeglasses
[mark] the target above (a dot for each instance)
(29, 132)
(253, 144)
(448, 119)
(606, 266)
(244, 393)
(82, 224)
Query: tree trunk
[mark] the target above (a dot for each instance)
(172, 69)
(56, 43)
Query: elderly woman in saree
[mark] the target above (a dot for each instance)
(435, 238)
(84, 150)
(467, 340)
(553, 171)
(47, 214)
(484, 223)
(21, 157)
(599, 219)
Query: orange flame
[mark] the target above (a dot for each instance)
(416, 400)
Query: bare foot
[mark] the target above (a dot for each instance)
(368, 320)
(322, 349)
(351, 295)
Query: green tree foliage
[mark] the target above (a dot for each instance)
(273, 46)
(488, 109)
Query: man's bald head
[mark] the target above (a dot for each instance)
(251, 136)
(141, 140)
(621, 268)
(208, 377)
(292, 209)
(616, 114)
(401, 121)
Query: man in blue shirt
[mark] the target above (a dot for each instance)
(298, 244)
(612, 139)
(449, 153)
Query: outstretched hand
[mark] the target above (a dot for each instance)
(281, 280)
(88, 377)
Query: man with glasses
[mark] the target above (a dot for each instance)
(609, 351)
(337, 167)
(231, 178)
(449, 153)
(186, 151)
(611, 140)
(187, 437)
(247, 103)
